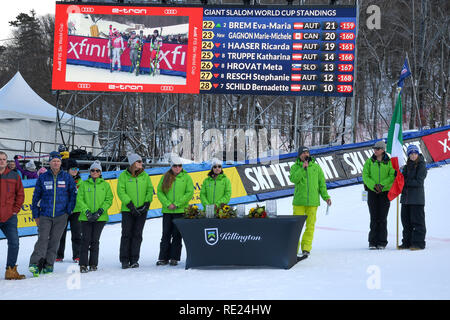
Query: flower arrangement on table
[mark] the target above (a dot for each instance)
(224, 211)
(258, 212)
(193, 212)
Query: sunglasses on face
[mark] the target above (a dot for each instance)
(74, 169)
(95, 170)
(377, 149)
(177, 165)
(215, 167)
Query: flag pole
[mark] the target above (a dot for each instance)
(414, 94)
(396, 237)
(398, 247)
(397, 233)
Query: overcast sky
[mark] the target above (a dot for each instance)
(10, 12)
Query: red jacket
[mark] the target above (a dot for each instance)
(11, 194)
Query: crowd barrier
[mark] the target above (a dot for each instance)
(264, 179)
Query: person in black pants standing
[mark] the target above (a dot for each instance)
(378, 177)
(94, 199)
(75, 226)
(135, 191)
(413, 201)
(175, 190)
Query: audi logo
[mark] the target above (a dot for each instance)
(84, 85)
(87, 9)
(167, 88)
(170, 11)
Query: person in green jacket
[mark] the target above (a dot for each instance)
(216, 188)
(94, 198)
(175, 190)
(309, 182)
(135, 190)
(378, 177)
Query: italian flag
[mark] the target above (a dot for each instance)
(395, 148)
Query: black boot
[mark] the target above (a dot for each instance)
(173, 262)
(162, 262)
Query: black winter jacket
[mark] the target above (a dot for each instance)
(415, 174)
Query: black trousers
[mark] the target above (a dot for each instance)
(90, 242)
(170, 246)
(131, 239)
(378, 208)
(413, 222)
(75, 230)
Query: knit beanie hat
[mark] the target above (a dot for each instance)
(72, 163)
(380, 145)
(96, 165)
(30, 166)
(215, 162)
(53, 155)
(175, 159)
(132, 158)
(302, 149)
(411, 149)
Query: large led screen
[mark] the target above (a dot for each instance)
(270, 50)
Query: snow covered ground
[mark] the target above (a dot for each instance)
(340, 266)
(81, 73)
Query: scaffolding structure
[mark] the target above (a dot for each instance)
(144, 122)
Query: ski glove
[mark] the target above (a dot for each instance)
(133, 211)
(96, 215)
(144, 208)
(379, 188)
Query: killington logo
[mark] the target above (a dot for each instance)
(211, 236)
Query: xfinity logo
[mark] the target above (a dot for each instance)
(89, 49)
(125, 10)
(125, 87)
(445, 144)
(212, 236)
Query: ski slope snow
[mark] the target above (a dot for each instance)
(340, 265)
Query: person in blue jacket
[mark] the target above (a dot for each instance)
(54, 199)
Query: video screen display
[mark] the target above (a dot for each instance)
(266, 50)
(131, 49)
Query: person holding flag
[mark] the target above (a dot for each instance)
(413, 200)
(395, 140)
(378, 177)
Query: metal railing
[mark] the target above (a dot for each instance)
(27, 146)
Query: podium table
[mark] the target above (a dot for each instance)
(241, 241)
